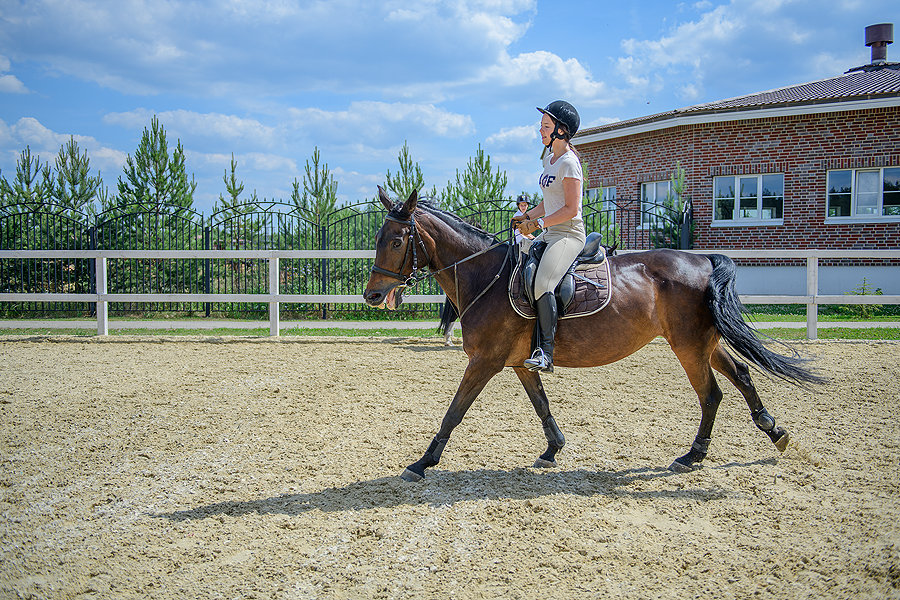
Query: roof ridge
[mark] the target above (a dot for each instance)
(838, 88)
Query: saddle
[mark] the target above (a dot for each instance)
(583, 290)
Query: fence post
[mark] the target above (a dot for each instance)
(92, 267)
(274, 288)
(812, 290)
(687, 221)
(207, 274)
(323, 236)
(102, 315)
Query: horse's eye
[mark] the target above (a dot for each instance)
(396, 244)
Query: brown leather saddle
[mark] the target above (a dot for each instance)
(584, 289)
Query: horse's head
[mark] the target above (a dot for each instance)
(396, 257)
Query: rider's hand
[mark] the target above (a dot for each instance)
(529, 226)
(517, 219)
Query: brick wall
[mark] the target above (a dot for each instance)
(802, 147)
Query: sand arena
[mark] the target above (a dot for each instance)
(136, 468)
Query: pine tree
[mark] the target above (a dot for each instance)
(318, 196)
(32, 183)
(74, 187)
(232, 204)
(407, 179)
(155, 181)
(477, 186)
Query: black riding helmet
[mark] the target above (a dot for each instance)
(566, 118)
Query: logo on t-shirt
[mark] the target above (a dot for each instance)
(546, 180)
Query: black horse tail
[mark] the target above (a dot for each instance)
(448, 315)
(728, 311)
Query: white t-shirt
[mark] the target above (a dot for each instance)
(551, 181)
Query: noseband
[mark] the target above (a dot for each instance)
(414, 237)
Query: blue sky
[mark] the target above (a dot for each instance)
(269, 80)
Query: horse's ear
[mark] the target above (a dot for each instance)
(382, 195)
(410, 205)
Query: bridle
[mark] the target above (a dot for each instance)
(413, 278)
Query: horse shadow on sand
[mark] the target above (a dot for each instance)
(443, 488)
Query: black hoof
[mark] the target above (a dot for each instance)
(680, 465)
(411, 476)
(415, 471)
(781, 438)
(689, 462)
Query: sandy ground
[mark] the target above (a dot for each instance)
(269, 469)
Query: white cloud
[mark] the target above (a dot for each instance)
(370, 120)
(185, 123)
(46, 143)
(569, 77)
(9, 84)
(514, 137)
(264, 47)
(743, 46)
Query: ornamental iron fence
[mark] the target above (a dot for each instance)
(265, 225)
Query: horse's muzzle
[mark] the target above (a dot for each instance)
(390, 299)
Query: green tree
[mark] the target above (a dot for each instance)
(479, 185)
(407, 179)
(232, 204)
(317, 197)
(32, 182)
(6, 192)
(153, 179)
(74, 187)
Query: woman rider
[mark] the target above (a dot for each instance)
(559, 215)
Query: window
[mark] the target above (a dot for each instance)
(864, 193)
(596, 194)
(604, 194)
(748, 198)
(653, 199)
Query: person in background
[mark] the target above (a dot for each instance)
(522, 240)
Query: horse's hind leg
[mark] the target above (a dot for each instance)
(555, 440)
(738, 373)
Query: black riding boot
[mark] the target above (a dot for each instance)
(542, 359)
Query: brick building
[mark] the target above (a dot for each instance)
(814, 165)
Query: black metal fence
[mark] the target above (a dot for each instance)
(628, 224)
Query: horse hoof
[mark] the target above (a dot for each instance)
(411, 476)
(680, 467)
(783, 441)
(544, 464)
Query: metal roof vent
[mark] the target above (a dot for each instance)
(878, 37)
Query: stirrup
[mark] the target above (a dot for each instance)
(539, 361)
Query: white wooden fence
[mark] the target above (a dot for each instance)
(812, 298)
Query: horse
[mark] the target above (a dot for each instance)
(687, 298)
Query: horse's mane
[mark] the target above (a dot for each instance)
(466, 229)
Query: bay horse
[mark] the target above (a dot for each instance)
(689, 299)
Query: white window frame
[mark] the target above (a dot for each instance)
(737, 220)
(609, 194)
(855, 216)
(648, 216)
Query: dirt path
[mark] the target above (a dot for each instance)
(269, 469)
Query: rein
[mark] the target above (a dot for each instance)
(414, 277)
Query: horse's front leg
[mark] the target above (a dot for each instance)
(531, 380)
(477, 374)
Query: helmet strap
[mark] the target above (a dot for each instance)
(558, 134)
